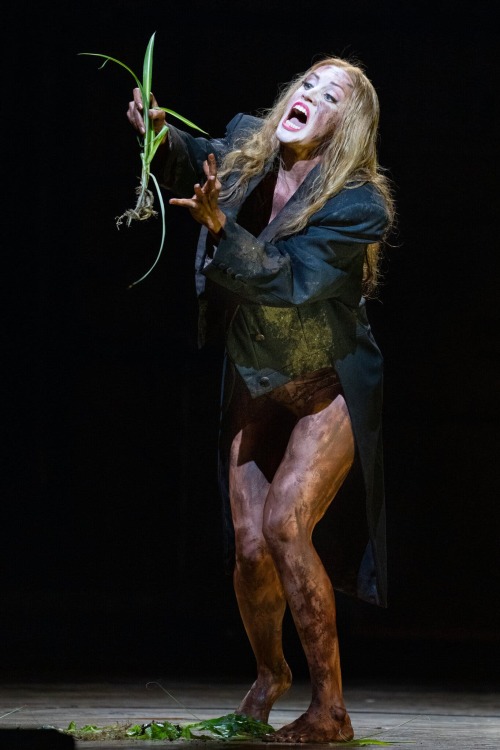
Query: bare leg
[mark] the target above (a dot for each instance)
(257, 586)
(319, 455)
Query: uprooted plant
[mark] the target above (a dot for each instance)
(149, 143)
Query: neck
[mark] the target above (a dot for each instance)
(296, 166)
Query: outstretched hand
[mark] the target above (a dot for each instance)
(136, 117)
(204, 205)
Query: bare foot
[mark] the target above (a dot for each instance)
(314, 726)
(265, 691)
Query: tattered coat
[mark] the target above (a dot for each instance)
(296, 308)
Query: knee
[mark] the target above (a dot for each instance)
(251, 550)
(281, 528)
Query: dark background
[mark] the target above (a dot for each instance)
(111, 553)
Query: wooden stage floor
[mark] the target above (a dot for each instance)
(430, 718)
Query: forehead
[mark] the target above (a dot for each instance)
(334, 74)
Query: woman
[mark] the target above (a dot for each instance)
(293, 207)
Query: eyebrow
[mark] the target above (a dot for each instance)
(332, 82)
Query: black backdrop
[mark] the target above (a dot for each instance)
(111, 541)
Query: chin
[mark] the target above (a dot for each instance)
(285, 136)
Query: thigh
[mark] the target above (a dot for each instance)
(317, 459)
(256, 431)
(248, 488)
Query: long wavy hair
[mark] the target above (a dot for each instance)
(348, 158)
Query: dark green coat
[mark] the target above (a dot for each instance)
(295, 305)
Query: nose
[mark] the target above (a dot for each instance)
(311, 94)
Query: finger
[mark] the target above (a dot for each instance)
(184, 202)
(207, 185)
(135, 117)
(201, 195)
(157, 117)
(137, 98)
(211, 184)
(212, 165)
(156, 113)
(212, 190)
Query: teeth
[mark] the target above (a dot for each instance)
(292, 125)
(300, 108)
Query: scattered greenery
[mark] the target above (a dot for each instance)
(149, 145)
(91, 732)
(231, 727)
(156, 730)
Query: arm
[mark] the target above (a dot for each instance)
(178, 163)
(323, 260)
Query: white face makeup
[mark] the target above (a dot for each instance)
(314, 108)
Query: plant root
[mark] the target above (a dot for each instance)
(143, 209)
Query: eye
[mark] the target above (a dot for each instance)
(307, 85)
(330, 98)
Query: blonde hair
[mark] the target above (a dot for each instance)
(348, 158)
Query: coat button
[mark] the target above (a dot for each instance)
(229, 271)
(259, 337)
(264, 382)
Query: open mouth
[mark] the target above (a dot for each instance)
(297, 117)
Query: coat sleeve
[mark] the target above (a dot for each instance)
(325, 260)
(179, 165)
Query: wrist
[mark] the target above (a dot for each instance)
(217, 227)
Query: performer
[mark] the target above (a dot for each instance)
(293, 208)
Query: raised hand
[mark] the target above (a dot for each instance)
(204, 205)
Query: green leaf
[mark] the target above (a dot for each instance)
(113, 59)
(183, 119)
(157, 140)
(147, 71)
(156, 730)
(233, 726)
(134, 731)
(147, 80)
